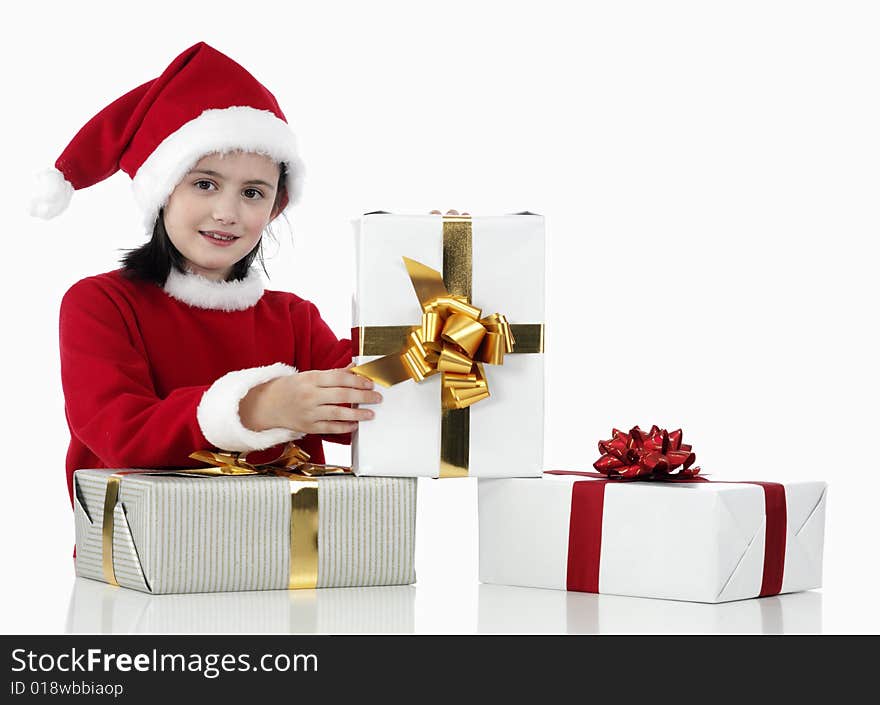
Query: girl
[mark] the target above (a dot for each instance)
(182, 348)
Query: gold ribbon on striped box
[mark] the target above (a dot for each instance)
(293, 463)
(453, 340)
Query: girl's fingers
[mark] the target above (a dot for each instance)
(334, 427)
(346, 395)
(330, 412)
(342, 378)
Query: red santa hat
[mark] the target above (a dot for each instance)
(204, 102)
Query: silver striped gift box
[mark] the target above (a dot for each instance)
(176, 534)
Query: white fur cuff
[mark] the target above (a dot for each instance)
(218, 411)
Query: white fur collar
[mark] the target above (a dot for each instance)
(201, 292)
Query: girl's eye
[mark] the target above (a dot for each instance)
(252, 193)
(204, 185)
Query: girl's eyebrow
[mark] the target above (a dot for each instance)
(218, 175)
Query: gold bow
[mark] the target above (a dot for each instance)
(292, 462)
(453, 340)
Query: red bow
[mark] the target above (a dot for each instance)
(649, 456)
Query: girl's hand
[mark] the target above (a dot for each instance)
(309, 402)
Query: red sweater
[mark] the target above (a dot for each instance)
(136, 364)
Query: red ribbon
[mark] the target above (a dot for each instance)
(585, 530)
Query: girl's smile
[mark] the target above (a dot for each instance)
(217, 214)
(218, 237)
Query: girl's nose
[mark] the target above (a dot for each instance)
(226, 210)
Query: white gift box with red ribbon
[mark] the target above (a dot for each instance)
(696, 541)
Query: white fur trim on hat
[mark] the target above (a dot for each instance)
(201, 292)
(50, 195)
(218, 415)
(217, 130)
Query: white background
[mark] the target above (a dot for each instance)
(709, 175)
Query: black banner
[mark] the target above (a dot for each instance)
(414, 668)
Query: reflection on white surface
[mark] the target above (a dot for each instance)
(517, 610)
(98, 608)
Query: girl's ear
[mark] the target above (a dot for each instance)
(281, 204)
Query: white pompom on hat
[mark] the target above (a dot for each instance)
(204, 102)
(50, 195)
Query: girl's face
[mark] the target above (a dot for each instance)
(216, 215)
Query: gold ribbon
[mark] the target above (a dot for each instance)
(453, 340)
(293, 463)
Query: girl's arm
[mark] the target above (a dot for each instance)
(316, 400)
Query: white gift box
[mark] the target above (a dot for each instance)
(700, 542)
(504, 436)
(174, 534)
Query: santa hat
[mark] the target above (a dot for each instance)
(202, 103)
